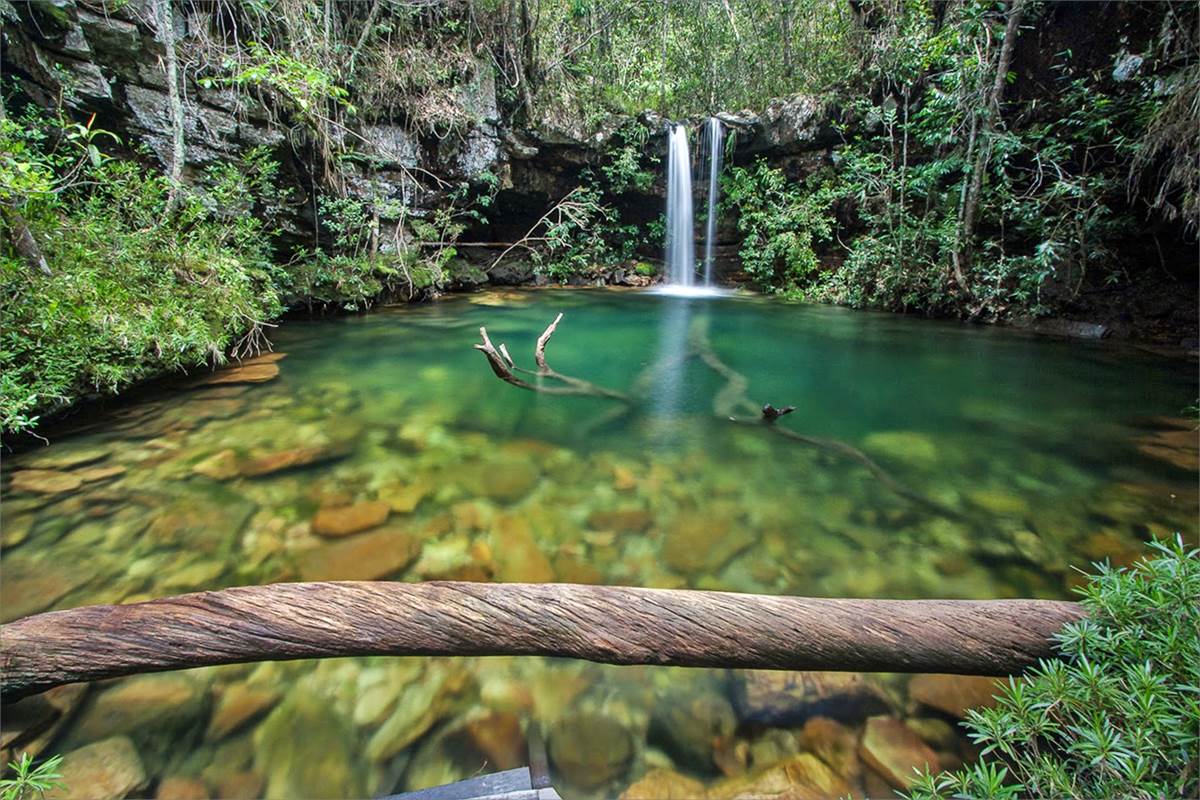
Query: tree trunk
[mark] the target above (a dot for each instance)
(608, 624)
(983, 153)
(23, 240)
(166, 35)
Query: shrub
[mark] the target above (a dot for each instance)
(1118, 716)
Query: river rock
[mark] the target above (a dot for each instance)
(270, 463)
(508, 480)
(590, 750)
(700, 544)
(28, 725)
(144, 707)
(908, 447)
(66, 456)
(241, 786)
(220, 466)
(999, 503)
(364, 557)
(181, 788)
(45, 481)
(380, 686)
(498, 736)
(100, 473)
(238, 704)
(801, 777)
(252, 371)
(404, 498)
(935, 732)
(421, 705)
(205, 519)
(628, 520)
(518, 557)
(31, 585)
(833, 743)
(954, 694)
(774, 697)
(344, 520)
(1176, 447)
(689, 724)
(106, 770)
(665, 784)
(894, 751)
(305, 749)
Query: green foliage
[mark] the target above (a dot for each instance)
(780, 222)
(1118, 716)
(29, 781)
(130, 294)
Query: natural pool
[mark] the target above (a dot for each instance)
(385, 448)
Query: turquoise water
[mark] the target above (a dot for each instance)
(1005, 459)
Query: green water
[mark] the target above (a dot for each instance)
(1015, 457)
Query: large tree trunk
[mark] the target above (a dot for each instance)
(615, 625)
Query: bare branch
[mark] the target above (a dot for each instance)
(539, 352)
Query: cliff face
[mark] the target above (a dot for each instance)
(111, 63)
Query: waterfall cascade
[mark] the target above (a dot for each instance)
(713, 134)
(681, 247)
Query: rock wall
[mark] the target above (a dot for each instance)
(112, 65)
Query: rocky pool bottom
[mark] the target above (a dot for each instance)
(382, 448)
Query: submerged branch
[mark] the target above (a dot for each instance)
(607, 624)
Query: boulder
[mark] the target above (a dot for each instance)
(508, 480)
(109, 769)
(181, 788)
(801, 777)
(499, 738)
(833, 743)
(700, 544)
(954, 694)
(143, 707)
(775, 697)
(518, 557)
(45, 481)
(589, 750)
(364, 557)
(344, 520)
(247, 372)
(628, 520)
(238, 704)
(893, 750)
(665, 784)
(306, 749)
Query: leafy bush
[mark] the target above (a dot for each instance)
(130, 294)
(29, 781)
(780, 222)
(1118, 716)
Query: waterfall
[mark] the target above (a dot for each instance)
(713, 134)
(681, 246)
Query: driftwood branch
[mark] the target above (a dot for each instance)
(505, 368)
(608, 624)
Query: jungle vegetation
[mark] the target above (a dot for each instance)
(975, 177)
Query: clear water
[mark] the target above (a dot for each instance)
(1035, 454)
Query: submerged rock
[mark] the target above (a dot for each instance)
(220, 466)
(364, 557)
(893, 750)
(418, 707)
(834, 743)
(508, 480)
(590, 750)
(908, 447)
(278, 461)
(801, 777)
(237, 705)
(698, 543)
(144, 707)
(665, 784)
(181, 788)
(628, 520)
(31, 585)
(344, 520)
(518, 557)
(45, 481)
(66, 456)
(690, 724)
(106, 770)
(305, 749)
(252, 371)
(498, 736)
(773, 697)
(954, 694)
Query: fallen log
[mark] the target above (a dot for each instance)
(609, 624)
